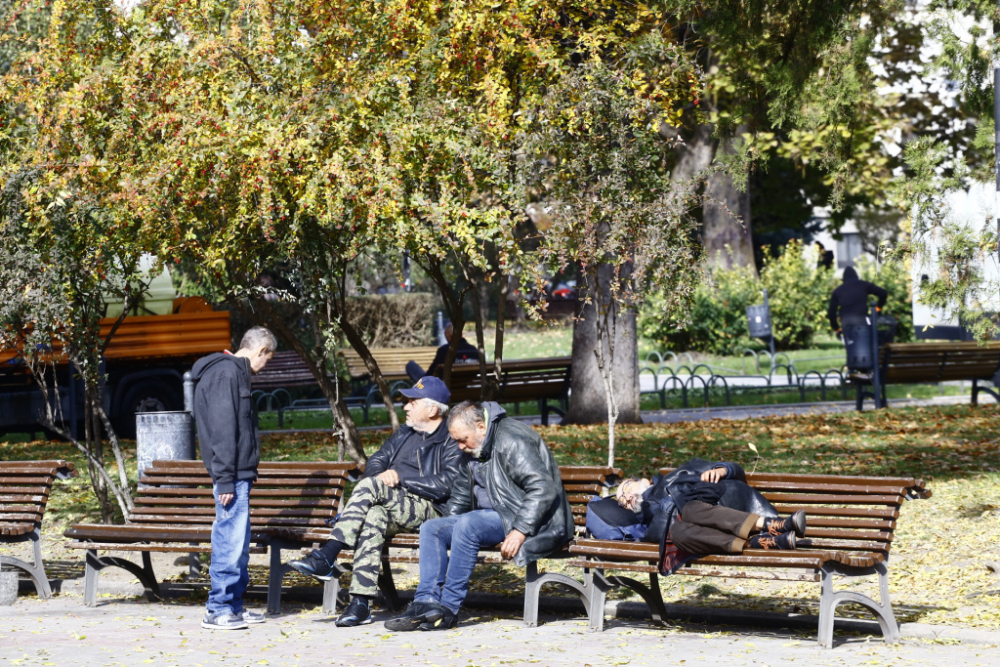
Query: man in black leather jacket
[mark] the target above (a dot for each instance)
(407, 481)
(509, 493)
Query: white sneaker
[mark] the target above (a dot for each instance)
(224, 622)
(253, 616)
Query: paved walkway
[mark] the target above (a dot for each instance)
(61, 631)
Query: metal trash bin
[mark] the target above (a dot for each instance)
(759, 321)
(163, 436)
(858, 343)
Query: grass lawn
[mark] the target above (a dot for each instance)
(938, 567)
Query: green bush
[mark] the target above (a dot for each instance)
(799, 294)
(718, 322)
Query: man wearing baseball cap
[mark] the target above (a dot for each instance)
(407, 481)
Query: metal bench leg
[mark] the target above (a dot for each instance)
(331, 589)
(274, 579)
(533, 588)
(35, 571)
(144, 574)
(91, 574)
(829, 600)
(598, 587)
(650, 594)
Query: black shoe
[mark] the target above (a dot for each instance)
(315, 565)
(784, 542)
(357, 613)
(415, 615)
(446, 621)
(795, 523)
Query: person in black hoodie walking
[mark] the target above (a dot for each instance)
(230, 449)
(851, 299)
(407, 482)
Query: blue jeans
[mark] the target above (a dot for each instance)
(446, 580)
(229, 570)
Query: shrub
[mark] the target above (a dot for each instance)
(718, 322)
(799, 293)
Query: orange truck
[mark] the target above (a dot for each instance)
(144, 367)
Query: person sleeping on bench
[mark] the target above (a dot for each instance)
(700, 508)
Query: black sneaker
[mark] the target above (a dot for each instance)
(357, 613)
(795, 523)
(446, 621)
(416, 614)
(315, 565)
(784, 542)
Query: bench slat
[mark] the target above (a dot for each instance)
(155, 548)
(23, 498)
(31, 478)
(839, 499)
(301, 492)
(208, 501)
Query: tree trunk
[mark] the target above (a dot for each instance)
(588, 402)
(358, 344)
(726, 217)
(726, 231)
(477, 300)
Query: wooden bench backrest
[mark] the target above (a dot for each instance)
(844, 513)
(287, 498)
(24, 492)
(523, 379)
(391, 361)
(286, 369)
(582, 484)
(939, 362)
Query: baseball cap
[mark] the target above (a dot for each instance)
(428, 387)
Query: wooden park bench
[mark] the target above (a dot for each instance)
(24, 492)
(913, 363)
(174, 510)
(581, 483)
(541, 380)
(851, 525)
(285, 369)
(391, 361)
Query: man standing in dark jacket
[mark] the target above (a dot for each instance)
(407, 481)
(227, 435)
(851, 299)
(509, 493)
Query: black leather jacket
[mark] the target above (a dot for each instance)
(660, 501)
(439, 459)
(524, 485)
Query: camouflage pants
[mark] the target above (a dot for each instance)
(375, 513)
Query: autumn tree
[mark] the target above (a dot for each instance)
(605, 185)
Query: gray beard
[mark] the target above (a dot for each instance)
(474, 453)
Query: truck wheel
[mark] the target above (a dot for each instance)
(147, 396)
